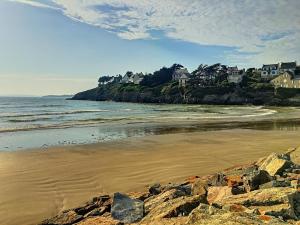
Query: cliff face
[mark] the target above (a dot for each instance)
(172, 93)
(263, 192)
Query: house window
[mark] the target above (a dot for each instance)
(273, 72)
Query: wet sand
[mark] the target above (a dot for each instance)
(37, 184)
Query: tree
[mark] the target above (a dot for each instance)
(162, 76)
(104, 79)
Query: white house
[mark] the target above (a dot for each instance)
(269, 70)
(137, 78)
(132, 78)
(235, 75)
(183, 80)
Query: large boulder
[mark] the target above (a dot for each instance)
(215, 194)
(294, 155)
(279, 201)
(156, 200)
(274, 164)
(205, 214)
(177, 207)
(253, 180)
(127, 210)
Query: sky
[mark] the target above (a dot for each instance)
(63, 46)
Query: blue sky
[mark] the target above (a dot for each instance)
(63, 46)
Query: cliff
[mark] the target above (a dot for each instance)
(262, 192)
(172, 93)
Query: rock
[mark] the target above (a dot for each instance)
(186, 188)
(65, 218)
(95, 203)
(192, 179)
(99, 220)
(295, 184)
(215, 194)
(240, 170)
(275, 183)
(156, 200)
(234, 180)
(205, 214)
(273, 201)
(97, 212)
(217, 179)
(177, 207)
(274, 164)
(127, 210)
(199, 187)
(155, 189)
(256, 178)
(295, 155)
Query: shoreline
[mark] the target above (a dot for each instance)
(41, 184)
(142, 129)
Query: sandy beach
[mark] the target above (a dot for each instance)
(37, 184)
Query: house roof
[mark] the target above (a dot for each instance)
(270, 65)
(184, 76)
(288, 65)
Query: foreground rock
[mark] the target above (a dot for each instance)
(263, 192)
(273, 201)
(206, 214)
(127, 210)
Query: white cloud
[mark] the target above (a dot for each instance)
(247, 25)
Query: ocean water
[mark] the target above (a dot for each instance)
(35, 122)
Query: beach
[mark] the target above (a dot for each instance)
(38, 183)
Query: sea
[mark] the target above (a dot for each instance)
(42, 122)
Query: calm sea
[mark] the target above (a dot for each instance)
(34, 122)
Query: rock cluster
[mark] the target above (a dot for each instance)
(264, 192)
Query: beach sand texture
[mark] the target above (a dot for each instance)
(37, 184)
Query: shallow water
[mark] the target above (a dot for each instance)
(34, 122)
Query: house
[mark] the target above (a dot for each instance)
(287, 80)
(183, 80)
(235, 75)
(269, 70)
(137, 78)
(288, 66)
(180, 72)
(181, 75)
(129, 77)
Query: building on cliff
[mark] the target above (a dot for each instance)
(181, 75)
(130, 78)
(235, 75)
(269, 70)
(288, 66)
(287, 80)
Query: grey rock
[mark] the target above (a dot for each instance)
(127, 210)
(155, 189)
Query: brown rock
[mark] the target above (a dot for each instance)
(215, 194)
(181, 206)
(234, 180)
(295, 155)
(274, 164)
(156, 200)
(209, 215)
(199, 187)
(273, 201)
(65, 218)
(99, 220)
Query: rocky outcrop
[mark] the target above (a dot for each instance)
(263, 192)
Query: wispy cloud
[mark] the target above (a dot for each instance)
(34, 3)
(269, 29)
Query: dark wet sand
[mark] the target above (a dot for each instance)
(37, 184)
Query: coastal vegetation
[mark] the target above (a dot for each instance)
(205, 85)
